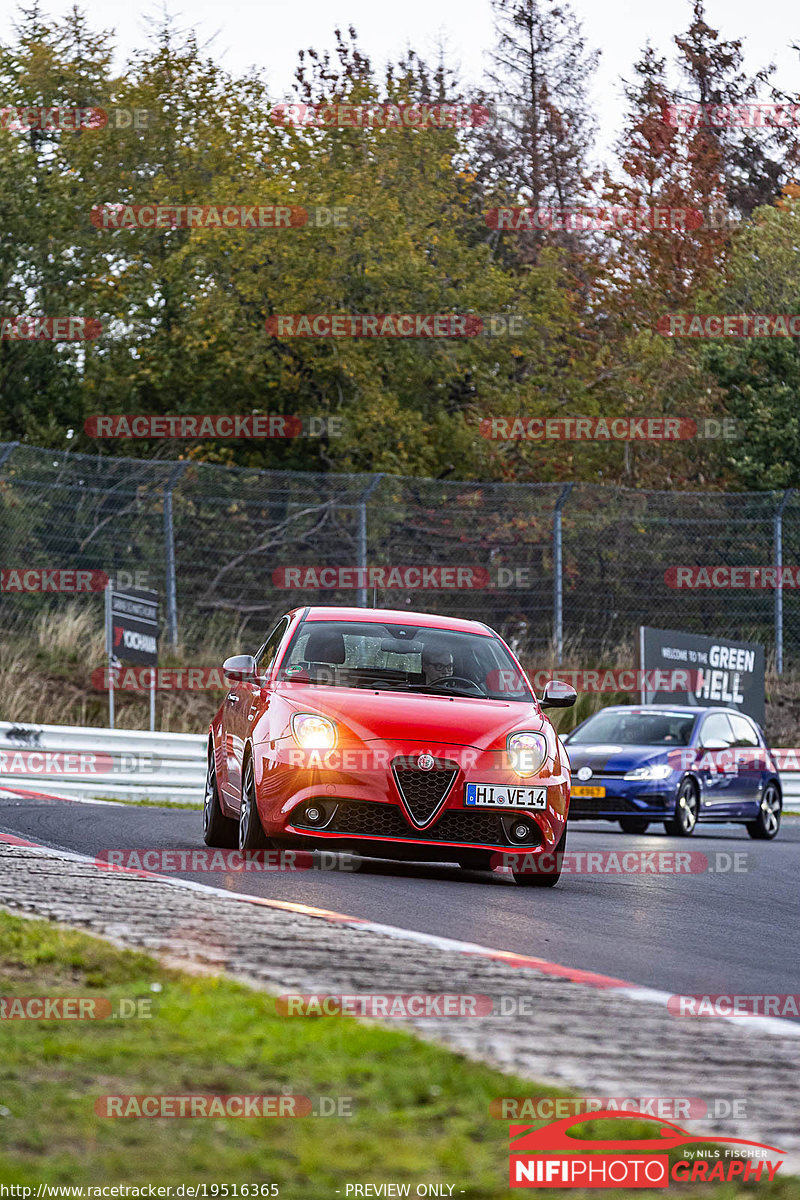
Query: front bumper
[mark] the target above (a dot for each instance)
(364, 808)
(623, 798)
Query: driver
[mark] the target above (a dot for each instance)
(436, 663)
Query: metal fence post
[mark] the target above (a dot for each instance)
(169, 554)
(778, 562)
(362, 533)
(558, 596)
(7, 451)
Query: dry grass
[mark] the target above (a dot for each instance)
(46, 671)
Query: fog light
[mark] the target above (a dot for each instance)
(520, 832)
(313, 814)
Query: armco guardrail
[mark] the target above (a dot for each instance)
(169, 768)
(788, 761)
(87, 762)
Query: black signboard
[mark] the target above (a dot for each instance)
(688, 668)
(133, 626)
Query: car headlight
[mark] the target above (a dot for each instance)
(656, 771)
(527, 752)
(312, 732)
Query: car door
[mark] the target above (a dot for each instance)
(245, 703)
(717, 765)
(750, 762)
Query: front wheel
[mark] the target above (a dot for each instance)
(687, 808)
(768, 822)
(251, 831)
(218, 830)
(549, 873)
(633, 825)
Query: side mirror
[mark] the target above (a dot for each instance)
(241, 667)
(558, 694)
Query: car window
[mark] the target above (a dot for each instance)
(266, 654)
(350, 653)
(716, 728)
(743, 731)
(635, 729)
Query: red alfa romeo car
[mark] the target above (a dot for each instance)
(393, 734)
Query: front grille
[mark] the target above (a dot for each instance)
(587, 806)
(424, 792)
(386, 820)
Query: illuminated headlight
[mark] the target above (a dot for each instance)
(527, 752)
(656, 771)
(312, 732)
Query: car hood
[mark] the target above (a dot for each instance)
(613, 757)
(406, 716)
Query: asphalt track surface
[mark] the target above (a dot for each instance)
(711, 932)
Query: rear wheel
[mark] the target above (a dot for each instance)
(218, 830)
(633, 825)
(687, 808)
(251, 831)
(768, 822)
(549, 873)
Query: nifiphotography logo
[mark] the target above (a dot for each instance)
(552, 1157)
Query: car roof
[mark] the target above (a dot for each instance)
(398, 616)
(675, 710)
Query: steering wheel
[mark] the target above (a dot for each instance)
(444, 680)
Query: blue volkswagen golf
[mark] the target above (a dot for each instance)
(675, 766)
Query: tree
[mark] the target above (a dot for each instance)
(760, 377)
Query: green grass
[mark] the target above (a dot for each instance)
(420, 1113)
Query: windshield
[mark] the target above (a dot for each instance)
(406, 658)
(636, 729)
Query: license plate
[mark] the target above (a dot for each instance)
(581, 790)
(488, 795)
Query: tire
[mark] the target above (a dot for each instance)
(633, 824)
(547, 878)
(478, 860)
(251, 831)
(768, 822)
(218, 830)
(687, 809)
